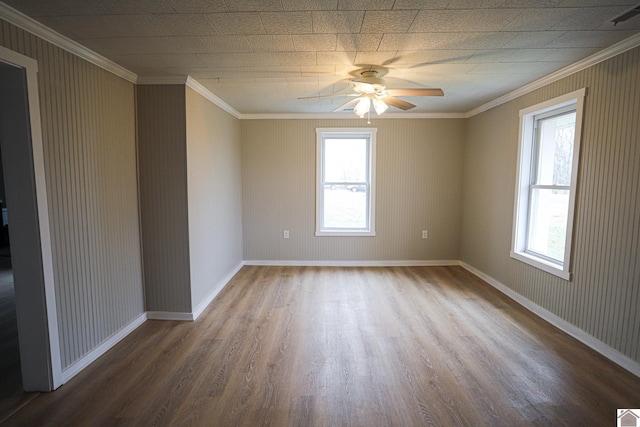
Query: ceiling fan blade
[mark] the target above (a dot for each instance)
(347, 104)
(330, 96)
(415, 92)
(398, 103)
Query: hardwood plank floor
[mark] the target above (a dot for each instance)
(312, 346)
(11, 394)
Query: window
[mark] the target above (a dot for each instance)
(546, 187)
(345, 182)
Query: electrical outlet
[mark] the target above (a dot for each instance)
(285, 234)
(425, 234)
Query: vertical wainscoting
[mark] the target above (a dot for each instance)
(88, 124)
(162, 162)
(603, 297)
(419, 185)
(215, 197)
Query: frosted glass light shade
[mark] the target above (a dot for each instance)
(362, 107)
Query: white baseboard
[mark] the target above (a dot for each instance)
(329, 263)
(191, 317)
(94, 354)
(216, 290)
(577, 333)
(572, 330)
(170, 315)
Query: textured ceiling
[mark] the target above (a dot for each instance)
(259, 56)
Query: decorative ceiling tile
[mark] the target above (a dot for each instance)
(271, 43)
(589, 18)
(133, 7)
(317, 42)
(337, 21)
(313, 70)
(397, 21)
(159, 61)
(538, 19)
(97, 26)
(596, 3)
(374, 58)
(287, 22)
(476, 50)
(507, 55)
(221, 44)
(237, 23)
(365, 4)
(309, 4)
(532, 39)
(353, 42)
(336, 58)
(438, 21)
(420, 4)
(459, 40)
(198, 6)
(403, 41)
(597, 39)
(297, 58)
(482, 20)
(175, 44)
(253, 5)
(124, 45)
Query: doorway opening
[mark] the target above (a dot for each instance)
(28, 240)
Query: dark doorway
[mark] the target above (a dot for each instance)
(11, 388)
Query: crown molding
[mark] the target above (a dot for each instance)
(349, 115)
(162, 80)
(195, 85)
(607, 53)
(23, 21)
(27, 23)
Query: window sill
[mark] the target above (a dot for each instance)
(350, 233)
(542, 264)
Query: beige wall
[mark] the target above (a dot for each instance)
(88, 125)
(419, 185)
(190, 185)
(162, 166)
(214, 192)
(604, 296)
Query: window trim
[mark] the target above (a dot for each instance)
(370, 134)
(526, 147)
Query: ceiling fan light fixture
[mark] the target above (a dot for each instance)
(363, 87)
(380, 106)
(362, 107)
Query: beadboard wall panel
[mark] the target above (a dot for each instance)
(215, 194)
(603, 296)
(162, 153)
(418, 186)
(89, 137)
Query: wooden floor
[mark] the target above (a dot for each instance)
(308, 346)
(11, 394)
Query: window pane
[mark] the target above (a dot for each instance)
(345, 207)
(555, 153)
(345, 160)
(548, 222)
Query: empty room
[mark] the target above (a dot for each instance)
(320, 212)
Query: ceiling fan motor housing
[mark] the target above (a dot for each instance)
(369, 83)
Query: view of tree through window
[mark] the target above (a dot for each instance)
(550, 189)
(345, 183)
(345, 187)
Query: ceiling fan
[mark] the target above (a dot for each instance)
(369, 89)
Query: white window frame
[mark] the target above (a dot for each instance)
(523, 185)
(370, 135)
